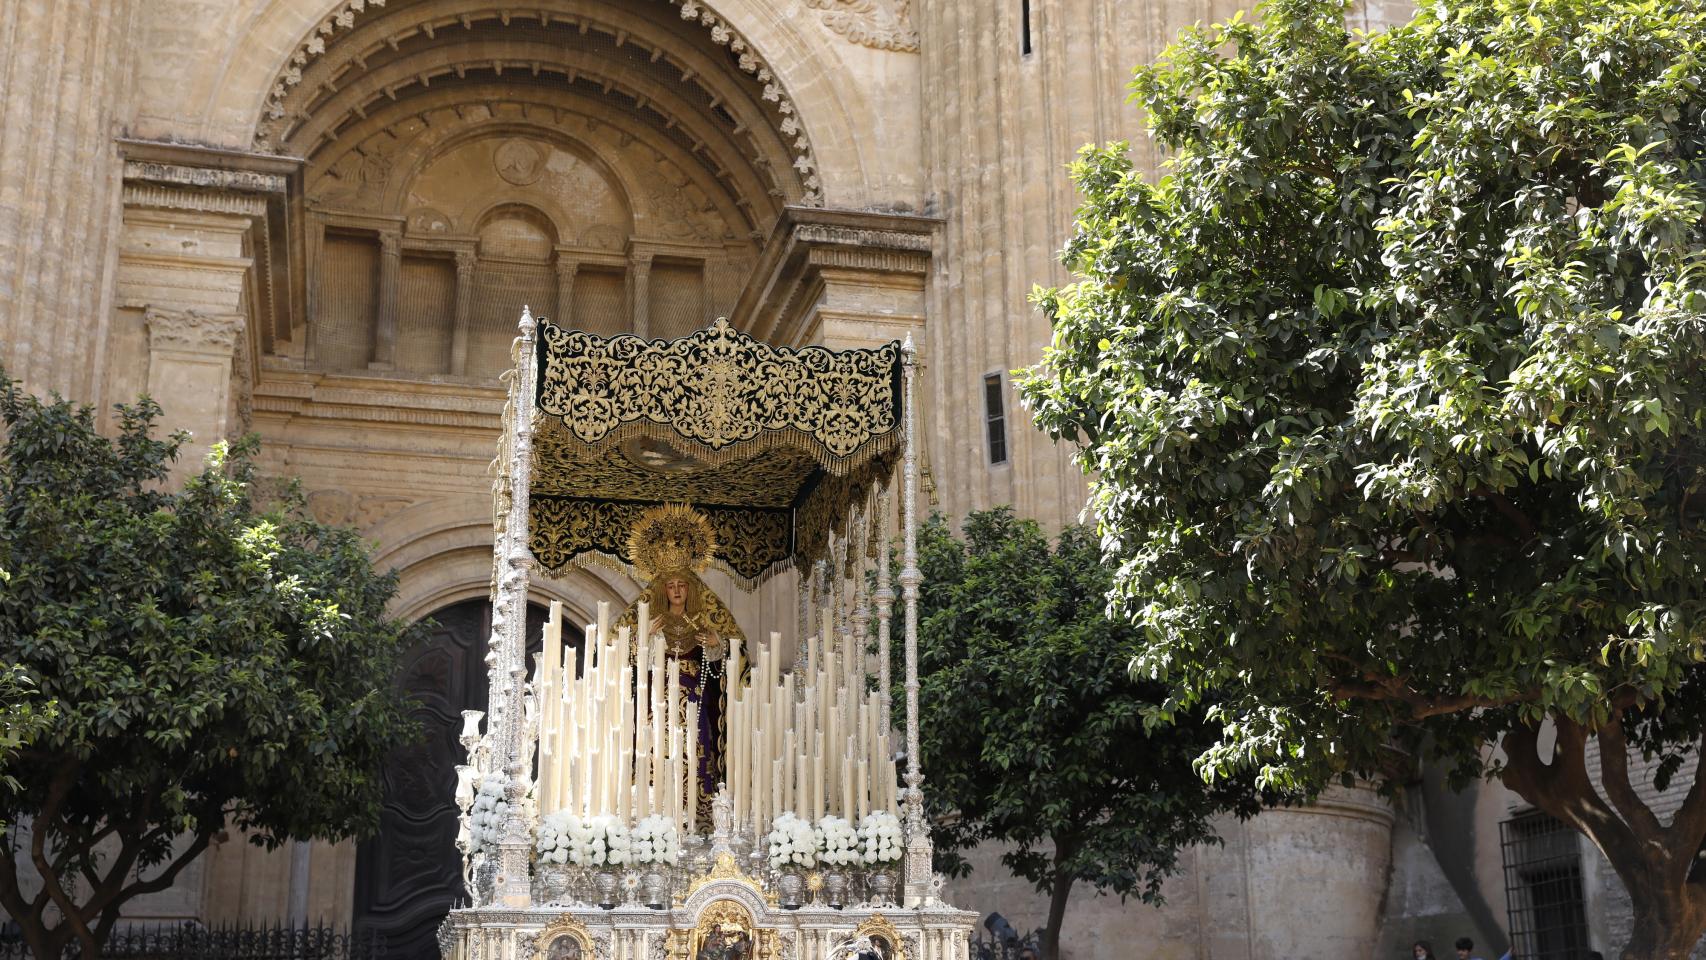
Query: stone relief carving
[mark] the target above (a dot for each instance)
(677, 216)
(362, 511)
(603, 236)
(879, 24)
(519, 161)
(192, 330)
(427, 220)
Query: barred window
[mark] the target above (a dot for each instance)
(1543, 888)
(1024, 28)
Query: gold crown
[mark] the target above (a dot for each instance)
(671, 539)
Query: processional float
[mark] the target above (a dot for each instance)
(656, 785)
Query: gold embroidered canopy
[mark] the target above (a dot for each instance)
(772, 444)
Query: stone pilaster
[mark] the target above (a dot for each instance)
(385, 324)
(189, 373)
(465, 261)
(640, 292)
(567, 267)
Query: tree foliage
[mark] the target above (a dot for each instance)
(1032, 728)
(1391, 392)
(211, 664)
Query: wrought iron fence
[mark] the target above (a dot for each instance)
(192, 941)
(1006, 944)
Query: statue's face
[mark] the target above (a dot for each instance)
(675, 591)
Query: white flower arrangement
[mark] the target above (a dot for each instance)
(837, 842)
(555, 843)
(880, 839)
(654, 841)
(490, 809)
(793, 842)
(598, 841)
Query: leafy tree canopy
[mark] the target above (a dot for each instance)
(1391, 391)
(211, 665)
(1033, 729)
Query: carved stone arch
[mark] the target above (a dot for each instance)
(442, 552)
(780, 115)
(748, 178)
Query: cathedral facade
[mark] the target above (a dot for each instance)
(318, 220)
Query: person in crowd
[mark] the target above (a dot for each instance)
(1466, 949)
(1422, 950)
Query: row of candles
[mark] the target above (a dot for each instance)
(618, 734)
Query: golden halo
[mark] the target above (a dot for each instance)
(671, 539)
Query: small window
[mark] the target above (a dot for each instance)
(1025, 28)
(995, 418)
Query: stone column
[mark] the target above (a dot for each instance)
(385, 323)
(566, 270)
(640, 292)
(465, 261)
(189, 373)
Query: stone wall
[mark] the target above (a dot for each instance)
(64, 88)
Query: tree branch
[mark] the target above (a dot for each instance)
(1422, 706)
(1614, 774)
(1508, 509)
(1687, 829)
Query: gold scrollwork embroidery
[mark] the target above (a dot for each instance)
(721, 389)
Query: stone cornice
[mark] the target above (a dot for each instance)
(308, 394)
(809, 245)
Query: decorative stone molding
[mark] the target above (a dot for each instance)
(878, 24)
(343, 18)
(192, 331)
(204, 201)
(206, 178)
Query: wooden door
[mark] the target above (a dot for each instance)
(410, 874)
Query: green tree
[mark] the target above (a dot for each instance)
(212, 665)
(1032, 728)
(1391, 392)
(22, 717)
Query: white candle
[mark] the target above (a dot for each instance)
(845, 764)
(817, 785)
(864, 798)
(691, 794)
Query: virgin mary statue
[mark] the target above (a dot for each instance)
(669, 546)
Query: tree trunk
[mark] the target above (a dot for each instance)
(1651, 858)
(1669, 920)
(1059, 890)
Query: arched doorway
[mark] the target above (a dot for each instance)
(408, 875)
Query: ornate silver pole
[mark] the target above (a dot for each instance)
(513, 882)
(860, 618)
(918, 852)
(885, 609)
